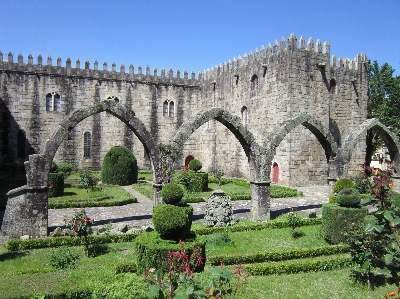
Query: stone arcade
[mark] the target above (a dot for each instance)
(290, 108)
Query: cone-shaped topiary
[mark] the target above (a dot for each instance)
(119, 167)
(349, 198)
(195, 165)
(171, 193)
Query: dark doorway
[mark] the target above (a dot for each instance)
(275, 177)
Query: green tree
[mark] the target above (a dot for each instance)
(383, 103)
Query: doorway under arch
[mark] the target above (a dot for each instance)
(275, 177)
(188, 159)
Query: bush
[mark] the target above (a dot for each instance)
(195, 165)
(63, 259)
(56, 184)
(119, 167)
(332, 198)
(65, 169)
(171, 194)
(172, 222)
(150, 249)
(337, 220)
(199, 183)
(343, 184)
(361, 184)
(53, 167)
(349, 198)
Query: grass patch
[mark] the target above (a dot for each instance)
(104, 196)
(236, 189)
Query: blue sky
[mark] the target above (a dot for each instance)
(193, 35)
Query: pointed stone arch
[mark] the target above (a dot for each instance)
(322, 134)
(26, 211)
(391, 140)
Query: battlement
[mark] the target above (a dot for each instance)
(265, 57)
(144, 76)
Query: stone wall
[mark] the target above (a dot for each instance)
(293, 78)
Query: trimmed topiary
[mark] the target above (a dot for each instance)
(343, 184)
(349, 198)
(171, 194)
(151, 249)
(195, 165)
(119, 167)
(55, 184)
(172, 222)
(199, 183)
(337, 220)
(65, 169)
(53, 167)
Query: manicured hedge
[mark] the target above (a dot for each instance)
(278, 255)
(119, 167)
(17, 244)
(150, 249)
(337, 220)
(200, 182)
(103, 201)
(298, 266)
(56, 184)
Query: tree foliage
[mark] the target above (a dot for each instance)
(383, 103)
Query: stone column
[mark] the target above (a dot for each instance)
(260, 200)
(333, 173)
(157, 194)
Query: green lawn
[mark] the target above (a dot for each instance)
(29, 271)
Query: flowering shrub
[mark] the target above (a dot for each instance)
(392, 294)
(294, 221)
(178, 282)
(378, 245)
(186, 178)
(81, 224)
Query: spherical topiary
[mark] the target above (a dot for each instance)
(119, 167)
(53, 167)
(171, 222)
(343, 184)
(195, 165)
(171, 193)
(349, 198)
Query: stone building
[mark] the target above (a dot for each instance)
(288, 113)
(264, 89)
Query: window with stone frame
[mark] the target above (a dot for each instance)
(168, 108)
(53, 101)
(87, 145)
(244, 113)
(254, 82)
(332, 86)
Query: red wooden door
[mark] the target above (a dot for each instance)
(276, 173)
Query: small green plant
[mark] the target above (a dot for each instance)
(81, 224)
(221, 239)
(293, 220)
(195, 165)
(87, 180)
(63, 259)
(218, 175)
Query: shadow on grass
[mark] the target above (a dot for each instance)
(70, 193)
(98, 249)
(361, 278)
(11, 255)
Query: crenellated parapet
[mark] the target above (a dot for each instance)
(315, 55)
(102, 73)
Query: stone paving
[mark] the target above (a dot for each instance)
(139, 213)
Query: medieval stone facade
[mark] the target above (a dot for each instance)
(264, 89)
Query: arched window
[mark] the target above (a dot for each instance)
(21, 139)
(254, 82)
(53, 102)
(87, 145)
(244, 113)
(332, 86)
(168, 108)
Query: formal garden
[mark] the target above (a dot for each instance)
(347, 252)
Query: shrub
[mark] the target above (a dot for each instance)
(349, 198)
(337, 221)
(361, 184)
(119, 167)
(332, 198)
(63, 259)
(150, 249)
(53, 167)
(343, 184)
(199, 183)
(65, 169)
(86, 180)
(171, 193)
(172, 222)
(56, 184)
(195, 165)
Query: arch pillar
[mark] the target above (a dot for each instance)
(396, 175)
(260, 200)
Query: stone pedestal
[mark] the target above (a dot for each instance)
(331, 183)
(26, 212)
(157, 194)
(260, 201)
